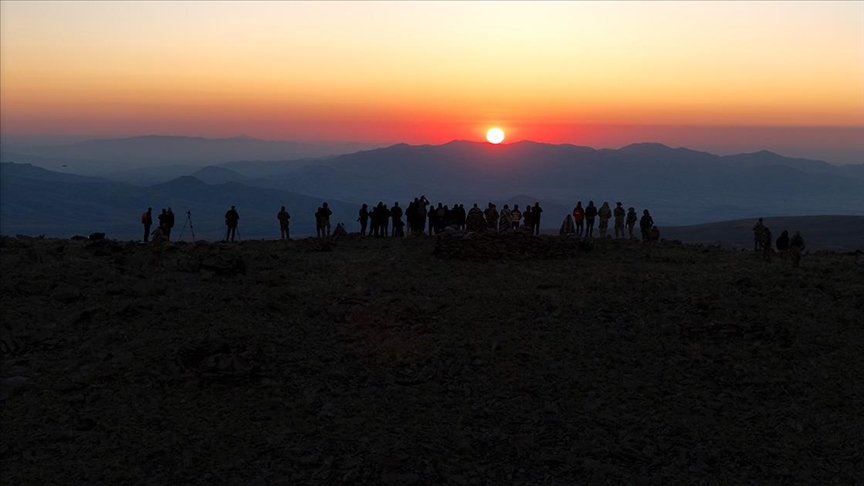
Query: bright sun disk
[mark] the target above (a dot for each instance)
(495, 135)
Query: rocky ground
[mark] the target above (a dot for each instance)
(468, 361)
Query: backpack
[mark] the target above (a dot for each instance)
(144, 217)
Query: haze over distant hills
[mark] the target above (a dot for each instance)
(680, 186)
(118, 154)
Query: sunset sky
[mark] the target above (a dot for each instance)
(722, 76)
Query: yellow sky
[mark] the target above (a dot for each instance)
(280, 69)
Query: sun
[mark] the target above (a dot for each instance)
(495, 135)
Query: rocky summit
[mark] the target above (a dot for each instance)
(465, 359)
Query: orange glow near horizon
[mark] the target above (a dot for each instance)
(558, 72)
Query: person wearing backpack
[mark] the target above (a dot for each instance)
(147, 221)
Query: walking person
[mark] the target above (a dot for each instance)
(231, 220)
(147, 221)
(283, 218)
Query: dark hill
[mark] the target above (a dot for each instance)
(378, 362)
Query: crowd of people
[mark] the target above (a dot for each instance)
(786, 247)
(421, 216)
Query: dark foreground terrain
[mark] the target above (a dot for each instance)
(377, 362)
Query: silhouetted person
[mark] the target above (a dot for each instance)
(147, 221)
(766, 243)
(632, 218)
(491, 214)
(163, 216)
(363, 218)
(758, 235)
(396, 216)
(528, 218)
(515, 216)
(590, 214)
(505, 219)
(579, 218)
(783, 245)
(169, 223)
(645, 225)
(619, 214)
(475, 221)
(441, 218)
(433, 219)
(384, 220)
(535, 216)
(325, 219)
(283, 218)
(604, 214)
(796, 247)
(231, 220)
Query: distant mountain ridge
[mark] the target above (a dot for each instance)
(680, 186)
(156, 150)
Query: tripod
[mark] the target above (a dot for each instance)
(191, 228)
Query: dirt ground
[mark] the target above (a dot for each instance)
(466, 361)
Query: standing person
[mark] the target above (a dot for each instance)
(147, 221)
(325, 219)
(579, 218)
(363, 218)
(796, 246)
(528, 217)
(491, 214)
(605, 214)
(536, 217)
(766, 244)
(758, 235)
(169, 222)
(283, 218)
(433, 218)
(590, 214)
(618, 212)
(396, 216)
(384, 220)
(163, 217)
(231, 220)
(318, 227)
(783, 245)
(632, 217)
(515, 216)
(645, 224)
(505, 219)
